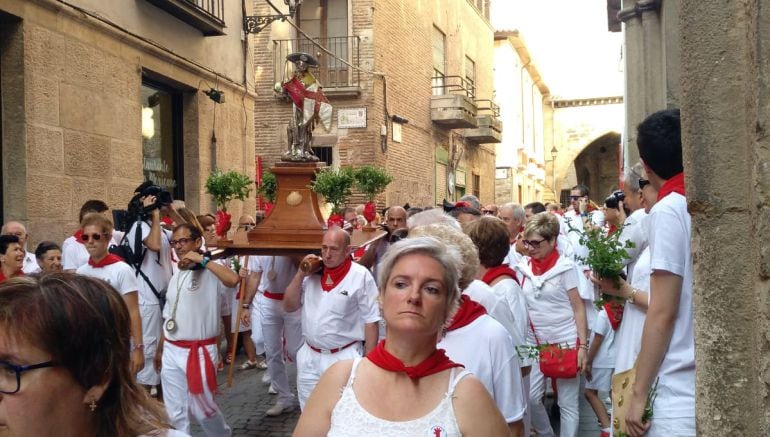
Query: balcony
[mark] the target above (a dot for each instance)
(208, 16)
(490, 128)
(452, 105)
(337, 78)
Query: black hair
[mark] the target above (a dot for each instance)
(6, 241)
(92, 206)
(582, 188)
(195, 233)
(455, 212)
(535, 207)
(659, 138)
(44, 247)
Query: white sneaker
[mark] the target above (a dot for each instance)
(278, 409)
(265, 378)
(271, 390)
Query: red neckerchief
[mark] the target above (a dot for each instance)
(673, 185)
(435, 363)
(540, 266)
(469, 311)
(612, 229)
(495, 272)
(111, 258)
(331, 277)
(614, 311)
(79, 236)
(16, 275)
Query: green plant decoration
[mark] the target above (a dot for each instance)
(224, 187)
(269, 186)
(335, 186)
(372, 180)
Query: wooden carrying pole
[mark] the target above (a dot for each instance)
(236, 331)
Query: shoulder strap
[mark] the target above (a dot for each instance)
(537, 340)
(455, 379)
(137, 264)
(353, 369)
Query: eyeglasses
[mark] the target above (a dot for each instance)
(182, 240)
(533, 243)
(575, 197)
(643, 183)
(247, 226)
(89, 237)
(10, 375)
(487, 212)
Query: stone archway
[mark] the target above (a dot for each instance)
(597, 166)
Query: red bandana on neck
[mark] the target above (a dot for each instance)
(107, 260)
(331, 277)
(540, 266)
(495, 272)
(612, 229)
(673, 185)
(15, 275)
(79, 236)
(469, 311)
(435, 363)
(614, 311)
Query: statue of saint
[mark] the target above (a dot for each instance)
(309, 107)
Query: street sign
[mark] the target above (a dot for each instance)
(351, 118)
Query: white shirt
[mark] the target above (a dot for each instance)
(284, 269)
(629, 335)
(74, 254)
(198, 309)
(120, 275)
(30, 264)
(605, 356)
(485, 348)
(510, 291)
(497, 305)
(634, 232)
(670, 251)
(548, 304)
(157, 266)
(335, 318)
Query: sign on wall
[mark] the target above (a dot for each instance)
(351, 118)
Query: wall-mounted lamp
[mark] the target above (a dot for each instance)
(148, 123)
(399, 119)
(215, 95)
(256, 23)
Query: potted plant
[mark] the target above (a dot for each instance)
(225, 187)
(335, 186)
(371, 181)
(268, 189)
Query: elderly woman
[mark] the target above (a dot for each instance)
(64, 343)
(549, 284)
(406, 386)
(48, 256)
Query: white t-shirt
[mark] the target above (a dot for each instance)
(670, 250)
(74, 254)
(335, 318)
(496, 304)
(198, 309)
(284, 269)
(605, 356)
(157, 266)
(30, 266)
(629, 335)
(548, 304)
(120, 275)
(635, 232)
(510, 291)
(485, 348)
(513, 257)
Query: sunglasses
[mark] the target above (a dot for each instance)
(575, 197)
(183, 240)
(533, 243)
(487, 212)
(89, 237)
(643, 183)
(247, 226)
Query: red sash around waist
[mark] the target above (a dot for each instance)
(194, 382)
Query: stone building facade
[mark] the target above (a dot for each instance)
(404, 56)
(97, 96)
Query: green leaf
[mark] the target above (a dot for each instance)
(372, 180)
(606, 253)
(224, 187)
(335, 186)
(269, 186)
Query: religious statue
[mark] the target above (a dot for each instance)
(309, 106)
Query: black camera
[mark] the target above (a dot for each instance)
(162, 197)
(614, 199)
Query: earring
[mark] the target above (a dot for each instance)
(92, 405)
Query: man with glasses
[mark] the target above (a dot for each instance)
(513, 215)
(16, 228)
(490, 209)
(339, 311)
(97, 235)
(633, 230)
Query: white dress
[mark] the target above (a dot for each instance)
(350, 419)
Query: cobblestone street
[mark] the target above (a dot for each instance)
(245, 403)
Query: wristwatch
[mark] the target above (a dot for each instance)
(632, 296)
(246, 306)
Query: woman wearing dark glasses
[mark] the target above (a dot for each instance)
(549, 283)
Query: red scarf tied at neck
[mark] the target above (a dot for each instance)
(107, 260)
(469, 311)
(673, 185)
(79, 236)
(498, 271)
(540, 266)
(435, 363)
(331, 277)
(15, 275)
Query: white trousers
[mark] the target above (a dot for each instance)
(179, 402)
(151, 328)
(568, 391)
(311, 365)
(277, 326)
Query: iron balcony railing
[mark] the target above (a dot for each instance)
(332, 72)
(488, 107)
(214, 8)
(208, 16)
(453, 85)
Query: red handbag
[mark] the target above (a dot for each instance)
(557, 361)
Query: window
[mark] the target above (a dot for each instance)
(439, 61)
(470, 75)
(162, 136)
(324, 154)
(521, 194)
(476, 185)
(327, 22)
